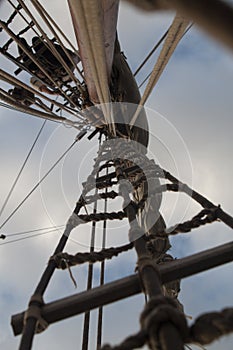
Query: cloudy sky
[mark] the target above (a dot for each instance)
(190, 117)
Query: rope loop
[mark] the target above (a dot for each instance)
(61, 260)
(34, 311)
(160, 310)
(145, 261)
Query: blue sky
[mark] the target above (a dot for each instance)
(190, 116)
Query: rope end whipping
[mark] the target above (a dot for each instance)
(70, 272)
(73, 221)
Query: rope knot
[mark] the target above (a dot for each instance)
(34, 311)
(144, 261)
(160, 310)
(212, 213)
(61, 260)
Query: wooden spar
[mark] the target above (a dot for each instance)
(129, 286)
(119, 73)
(107, 47)
(109, 22)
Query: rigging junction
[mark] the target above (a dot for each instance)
(88, 91)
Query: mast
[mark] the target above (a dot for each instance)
(106, 96)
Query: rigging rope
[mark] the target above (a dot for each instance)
(32, 111)
(148, 76)
(43, 15)
(144, 260)
(52, 48)
(174, 35)
(89, 19)
(102, 272)
(33, 59)
(144, 102)
(151, 53)
(214, 16)
(86, 325)
(12, 80)
(32, 236)
(204, 217)
(32, 231)
(21, 169)
(54, 51)
(38, 184)
(62, 34)
(206, 328)
(10, 107)
(18, 8)
(48, 43)
(10, 19)
(64, 260)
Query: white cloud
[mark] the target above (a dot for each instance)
(195, 94)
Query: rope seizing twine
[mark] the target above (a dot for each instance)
(34, 311)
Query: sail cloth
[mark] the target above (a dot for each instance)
(213, 16)
(107, 74)
(175, 34)
(95, 28)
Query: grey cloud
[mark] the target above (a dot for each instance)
(195, 94)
